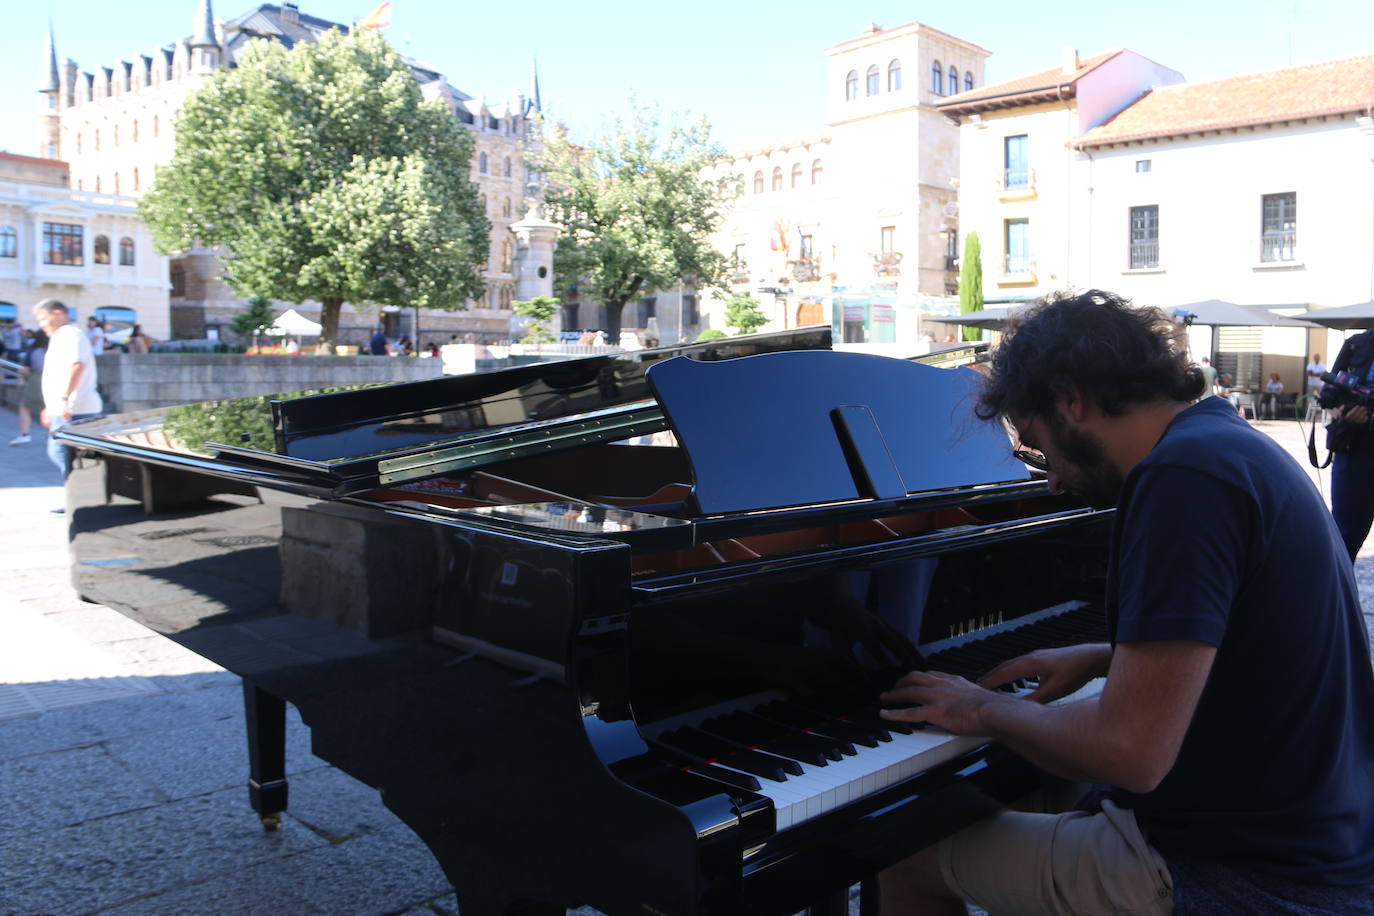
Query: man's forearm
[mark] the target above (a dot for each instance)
(1067, 740)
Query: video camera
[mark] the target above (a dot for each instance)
(1347, 389)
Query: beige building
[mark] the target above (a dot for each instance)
(1019, 181)
(857, 226)
(87, 249)
(115, 125)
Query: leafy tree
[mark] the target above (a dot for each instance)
(539, 310)
(711, 334)
(255, 319)
(326, 176)
(635, 212)
(971, 282)
(742, 313)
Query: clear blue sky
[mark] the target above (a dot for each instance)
(756, 70)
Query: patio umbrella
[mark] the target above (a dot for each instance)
(1221, 314)
(293, 322)
(993, 319)
(1344, 318)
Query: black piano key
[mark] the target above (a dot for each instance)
(800, 717)
(752, 730)
(714, 749)
(732, 777)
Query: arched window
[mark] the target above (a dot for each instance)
(126, 252)
(796, 174)
(506, 256)
(851, 86)
(505, 208)
(116, 182)
(9, 242)
(953, 81)
(894, 76)
(873, 85)
(777, 178)
(97, 139)
(482, 163)
(968, 80)
(97, 184)
(154, 125)
(135, 137)
(102, 249)
(937, 82)
(114, 138)
(507, 167)
(78, 142)
(758, 182)
(135, 179)
(816, 172)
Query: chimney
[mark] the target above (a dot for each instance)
(1069, 64)
(290, 12)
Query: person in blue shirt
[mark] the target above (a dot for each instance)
(1352, 448)
(377, 346)
(1231, 749)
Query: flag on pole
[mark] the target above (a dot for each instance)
(781, 240)
(379, 18)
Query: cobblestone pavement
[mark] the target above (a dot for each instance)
(122, 762)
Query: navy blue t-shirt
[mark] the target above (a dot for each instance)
(1221, 538)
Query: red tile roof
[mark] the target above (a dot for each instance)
(32, 160)
(1274, 96)
(1024, 89)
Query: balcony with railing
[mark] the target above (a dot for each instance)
(1278, 246)
(887, 263)
(1016, 183)
(1144, 254)
(1017, 270)
(805, 270)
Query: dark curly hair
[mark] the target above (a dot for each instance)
(1115, 354)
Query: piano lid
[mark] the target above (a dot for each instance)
(359, 438)
(799, 428)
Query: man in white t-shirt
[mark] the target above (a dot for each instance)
(1315, 370)
(69, 391)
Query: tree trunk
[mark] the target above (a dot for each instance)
(330, 306)
(613, 312)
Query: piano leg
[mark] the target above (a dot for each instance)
(265, 716)
(533, 908)
(868, 897)
(834, 904)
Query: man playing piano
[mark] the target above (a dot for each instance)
(1232, 744)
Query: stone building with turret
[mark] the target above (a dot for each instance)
(115, 124)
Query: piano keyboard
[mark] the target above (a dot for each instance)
(810, 761)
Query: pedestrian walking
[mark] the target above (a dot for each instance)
(31, 398)
(69, 378)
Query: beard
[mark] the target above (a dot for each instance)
(1085, 470)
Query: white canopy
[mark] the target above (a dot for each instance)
(293, 322)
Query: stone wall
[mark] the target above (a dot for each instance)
(141, 381)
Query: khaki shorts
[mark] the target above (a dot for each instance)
(1023, 863)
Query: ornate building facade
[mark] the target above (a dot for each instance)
(857, 226)
(89, 250)
(114, 125)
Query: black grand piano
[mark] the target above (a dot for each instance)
(607, 631)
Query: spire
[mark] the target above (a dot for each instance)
(533, 103)
(204, 34)
(51, 83)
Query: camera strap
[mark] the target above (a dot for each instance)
(1312, 448)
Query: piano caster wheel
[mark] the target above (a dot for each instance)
(270, 822)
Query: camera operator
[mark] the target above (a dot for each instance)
(1351, 442)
